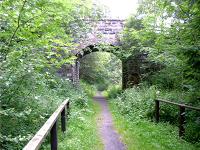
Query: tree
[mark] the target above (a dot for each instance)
(169, 32)
(34, 42)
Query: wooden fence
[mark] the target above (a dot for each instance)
(182, 113)
(50, 126)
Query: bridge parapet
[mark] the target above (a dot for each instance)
(112, 26)
(104, 31)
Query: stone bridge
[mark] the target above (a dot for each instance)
(106, 31)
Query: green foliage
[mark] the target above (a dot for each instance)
(113, 91)
(81, 126)
(146, 135)
(138, 103)
(101, 69)
(25, 115)
(36, 39)
(90, 90)
(82, 129)
(169, 32)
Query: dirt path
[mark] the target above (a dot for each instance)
(110, 138)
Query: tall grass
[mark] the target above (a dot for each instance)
(81, 131)
(135, 107)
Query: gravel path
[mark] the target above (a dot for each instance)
(110, 138)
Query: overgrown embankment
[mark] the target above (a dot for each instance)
(29, 105)
(81, 127)
(133, 112)
(36, 41)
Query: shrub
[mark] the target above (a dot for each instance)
(25, 113)
(112, 91)
(138, 103)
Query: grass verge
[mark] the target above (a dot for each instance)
(142, 134)
(82, 130)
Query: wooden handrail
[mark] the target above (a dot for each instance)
(181, 113)
(49, 126)
(178, 104)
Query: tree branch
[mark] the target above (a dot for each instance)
(18, 23)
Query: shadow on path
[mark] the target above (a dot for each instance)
(110, 138)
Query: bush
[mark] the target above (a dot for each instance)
(138, 103)
(89, 89)
(26, 108)
(112, 91)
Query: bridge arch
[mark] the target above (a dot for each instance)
(101, 68)
(106, 33)
(98, 48)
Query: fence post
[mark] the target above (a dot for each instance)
(157, 110)
(68, 111)
(181, 121)
(63, 120)
(54, 140)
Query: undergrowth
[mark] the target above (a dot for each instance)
(134, 116)
(21, 117)
(142, 134)
(25, 107)
(82, 130)
(81, 127)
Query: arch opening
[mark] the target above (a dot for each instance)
(102, 69)
(130, 69)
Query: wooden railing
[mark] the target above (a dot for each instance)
(50, 126)
(182, 113)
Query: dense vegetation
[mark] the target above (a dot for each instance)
(81, 126)
(168, 31)
(101, 69)
(37, 37)
(140, 133)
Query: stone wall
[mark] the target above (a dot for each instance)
(103, 31)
